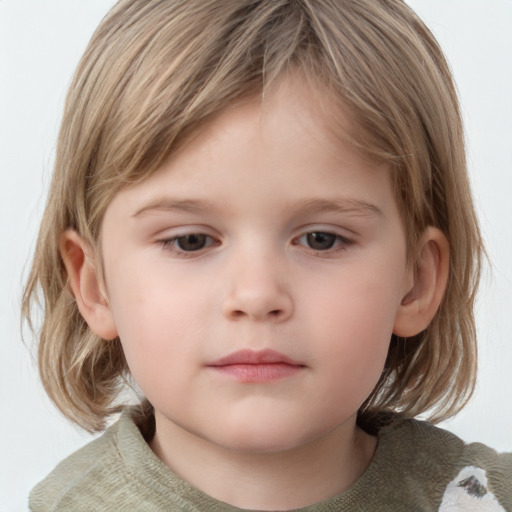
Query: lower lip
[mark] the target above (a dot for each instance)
(265, 372)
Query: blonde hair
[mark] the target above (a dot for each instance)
(154, 72)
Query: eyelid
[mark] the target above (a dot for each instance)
(342, 241)
(168, 240)
(334, 229)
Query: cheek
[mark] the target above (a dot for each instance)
(359, 305)
(159, 349)
(354, 331)
(153, 301)
(155, 322)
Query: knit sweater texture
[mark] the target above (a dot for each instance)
(416, 467)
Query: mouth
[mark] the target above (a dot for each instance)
(256, 366)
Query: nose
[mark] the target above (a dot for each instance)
(258, 290)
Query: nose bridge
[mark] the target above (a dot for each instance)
(257, 285)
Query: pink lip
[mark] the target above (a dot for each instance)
(256, 366)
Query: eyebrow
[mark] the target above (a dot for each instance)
(345, 205)
(166, 204)
(309, 206)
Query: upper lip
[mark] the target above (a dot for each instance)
(254, 357)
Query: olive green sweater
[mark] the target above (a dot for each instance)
(416, 467)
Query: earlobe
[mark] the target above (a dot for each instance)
(430, 278)
(86, 284)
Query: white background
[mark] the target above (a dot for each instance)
(40, 44)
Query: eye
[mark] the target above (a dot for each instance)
(191, 242)
(323, 241)
(320, 241)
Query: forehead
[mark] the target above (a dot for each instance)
(281, 141)
(292, 107)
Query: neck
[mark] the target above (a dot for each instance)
(277, 480)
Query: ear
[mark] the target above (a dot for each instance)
(429, 280)
(86, 284)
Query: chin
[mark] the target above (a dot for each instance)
(258, 438)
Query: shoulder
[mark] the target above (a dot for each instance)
(449, 473)
(483, 481)
(97, 477)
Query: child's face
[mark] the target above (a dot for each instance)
(255, 279)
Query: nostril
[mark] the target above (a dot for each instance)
(238, 313)
(257, 303)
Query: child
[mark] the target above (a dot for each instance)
(260, 215)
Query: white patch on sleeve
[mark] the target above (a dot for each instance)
(468, 492)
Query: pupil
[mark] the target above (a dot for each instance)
(191, 242)
(321, 241)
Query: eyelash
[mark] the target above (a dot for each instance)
(172, 244)
(339, 242)
(335, 243)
